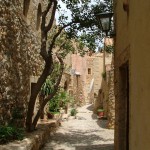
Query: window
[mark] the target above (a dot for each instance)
(38, 21)
(26, 4)
(89, 70)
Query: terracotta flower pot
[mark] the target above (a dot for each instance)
(49, 115)
(100, 113)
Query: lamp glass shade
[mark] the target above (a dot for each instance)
(104, 20)
(105, 23)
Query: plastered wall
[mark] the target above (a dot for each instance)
(133, 45)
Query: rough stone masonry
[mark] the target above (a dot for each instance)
(19, 59)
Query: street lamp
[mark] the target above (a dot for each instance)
(104, 19)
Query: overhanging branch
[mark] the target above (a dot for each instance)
(52, 94)
(57, 34)
(44, 14)
(50, 24)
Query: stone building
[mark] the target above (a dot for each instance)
(104, 84)
(111, 98)
(78, 80)
(20, 62)
(90, 83)
(132, 74)
(82, 79)
(89, 86)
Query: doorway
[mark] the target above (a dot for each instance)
(123, 110)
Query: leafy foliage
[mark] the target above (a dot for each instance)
(109, 49)
(65, 98)
(48, 86)
(61, 99)
(73, 112)
(83, 20)
(17, 113)
(100, 110)
(54, 104)
(9, 133)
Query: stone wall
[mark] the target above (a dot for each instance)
(78, 71)
(90, 79)
(19, 59)
(78, 90)
(111, 99)
(104, 97)
(98, 69)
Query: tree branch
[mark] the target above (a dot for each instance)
(61, 46)
(61, 72)
(50, 24)
(51, 95)
(44, 14)
(57, 34)
(43, 51)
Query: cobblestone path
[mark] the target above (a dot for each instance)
(86, 132)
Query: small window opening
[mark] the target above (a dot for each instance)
(39, 13)
(26, 4)
(89, 70)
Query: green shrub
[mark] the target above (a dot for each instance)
(100, 110)
(17, 113)
(9, 133)
(61, 99)
(54, 104)
(73, 112)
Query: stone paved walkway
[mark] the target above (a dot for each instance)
(86, 132)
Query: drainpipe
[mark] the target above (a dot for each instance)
(104, 53)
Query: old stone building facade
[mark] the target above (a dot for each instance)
(82, 79)
(132, 75)
(105, 99)
(104, 84)
(111, 99)
(98, 70)
(20, 62)
(78, 79)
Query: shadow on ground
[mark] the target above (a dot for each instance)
(100, 122)
(103, 123)
(91, 107)
(96, 147)
(75, 137)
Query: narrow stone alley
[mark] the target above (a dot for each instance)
(86, 132)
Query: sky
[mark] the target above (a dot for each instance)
(66, 11)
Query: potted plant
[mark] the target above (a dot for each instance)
(53, 107)
(100, 113)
